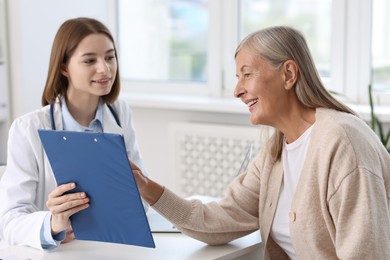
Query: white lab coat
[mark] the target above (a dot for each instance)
(29, 179)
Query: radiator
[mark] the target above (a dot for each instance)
(207, 157)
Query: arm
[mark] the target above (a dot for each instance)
(360, 211)
(21, 216)
(234, 216)
(23, 193)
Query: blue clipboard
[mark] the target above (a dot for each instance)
(98, 164)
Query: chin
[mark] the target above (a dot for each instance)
(258, 120)
(104, 93)
(255, 121)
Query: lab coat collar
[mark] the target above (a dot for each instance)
(109, 123)
(57, 115)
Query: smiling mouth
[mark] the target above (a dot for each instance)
(101, 80)
(251, 103)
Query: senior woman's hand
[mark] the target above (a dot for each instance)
(149, 190)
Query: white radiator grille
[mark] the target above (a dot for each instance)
(207, 156)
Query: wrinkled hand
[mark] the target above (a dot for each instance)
(142, 181)
(149, 190)
(62, 206)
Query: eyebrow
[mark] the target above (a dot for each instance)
(243, 67)
(92, 53)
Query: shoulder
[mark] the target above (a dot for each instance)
(338, 118)
(347, 141)
(122, 108)
(335, 125)
(124, 113)
(121, 104)
(25, 128)
(39, 118)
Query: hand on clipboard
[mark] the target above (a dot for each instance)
(97, 163)
(63, 205)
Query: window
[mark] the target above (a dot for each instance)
(168, 40)
(187, 46)
(312, 18)
(164, 43)
(2, 32)
(380, 46)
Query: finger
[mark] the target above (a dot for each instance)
(68, 205)
(137, 172)
(71, 211)
(138, 175)
(133, 166)
(60, 221)
(140, 179)
(53, 201)
(70, 228)
(61, 189)
(69, 232)
(69, 237)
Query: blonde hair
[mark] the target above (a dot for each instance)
(279, 44)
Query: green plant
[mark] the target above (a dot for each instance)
(376, 124)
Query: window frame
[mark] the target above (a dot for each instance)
(350, 55)
(357, 50)
(209, 88)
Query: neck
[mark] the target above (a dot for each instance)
(83, 111)
(296, 122)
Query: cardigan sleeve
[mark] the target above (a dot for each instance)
(360, 213)
(236, 215)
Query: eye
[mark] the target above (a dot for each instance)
(110, 58)
(247, 75)
(89, 61)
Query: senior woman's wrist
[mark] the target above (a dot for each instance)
(152, 191)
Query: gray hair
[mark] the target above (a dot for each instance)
(279, 44)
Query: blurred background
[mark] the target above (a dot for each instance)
(178, 72)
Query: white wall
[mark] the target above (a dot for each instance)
(152, 129)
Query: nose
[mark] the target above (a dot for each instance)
(103, 67)
(239, 90)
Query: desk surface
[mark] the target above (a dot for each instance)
(168, 246)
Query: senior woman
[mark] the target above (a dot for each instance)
(320, 189)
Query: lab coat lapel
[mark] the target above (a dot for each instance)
(109, 123)
(58, 116)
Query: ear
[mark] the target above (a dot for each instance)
(290, 71)
(64, 72)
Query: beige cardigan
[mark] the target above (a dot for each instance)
(340, 209)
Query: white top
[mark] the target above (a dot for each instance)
(293, 157)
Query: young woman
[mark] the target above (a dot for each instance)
(80, 94)
(320, 189)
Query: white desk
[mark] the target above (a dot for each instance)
(170, 246)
